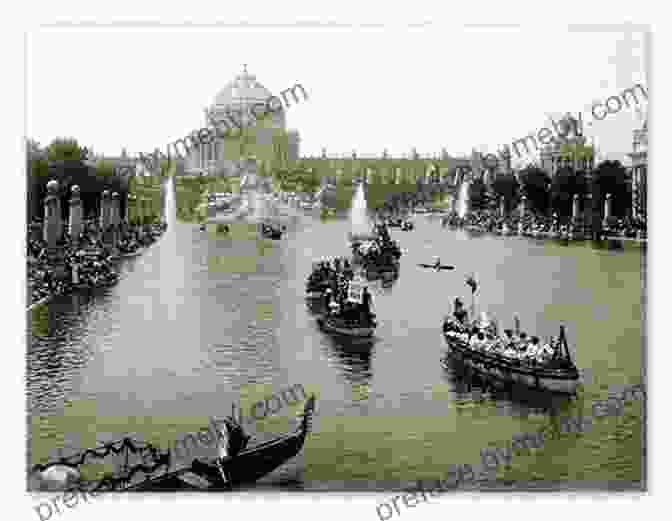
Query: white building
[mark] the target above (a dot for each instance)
(263, 135)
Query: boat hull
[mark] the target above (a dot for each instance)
(331, 327)
(563, 381)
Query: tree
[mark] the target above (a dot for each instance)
(565, 185)
(610, 177)
(65, 149)
(506, 186)
(104, 169)
(535, 184)
(478, 197)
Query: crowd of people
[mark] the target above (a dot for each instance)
(332, 279)
(483, 335)
(87, 264)
(534, 224)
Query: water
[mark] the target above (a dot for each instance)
(358, 213)
(463, 200)
(201, 321)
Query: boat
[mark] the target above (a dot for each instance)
(347, 317)
(394, 223)
(339, 326)
(557, 376)
(132, 254)
(269, 231)
(244, 468)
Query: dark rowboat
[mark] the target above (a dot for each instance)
(246, 467)
(560, 376)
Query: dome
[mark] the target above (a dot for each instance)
(244, 89)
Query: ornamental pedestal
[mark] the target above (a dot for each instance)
(53, 230)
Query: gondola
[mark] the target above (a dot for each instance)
(560, 376)
(245, 468)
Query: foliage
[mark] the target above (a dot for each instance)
(576, 151)
(610, 177)
(565, 185)
(104, 168)
(478, 195)
(535, 184)
(65, 149)
(506, 186)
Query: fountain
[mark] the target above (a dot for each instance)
(359, 220)
(463, 200)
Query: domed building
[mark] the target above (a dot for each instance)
(265, 138)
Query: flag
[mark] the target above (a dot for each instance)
(471, 282)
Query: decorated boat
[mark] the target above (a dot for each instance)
(352, 316)
(243, 468)
(558, 374)
(341, 326)
(132, 254)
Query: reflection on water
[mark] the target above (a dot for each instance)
(198, 317)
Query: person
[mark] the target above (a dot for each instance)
(460, 313)
(366, 305)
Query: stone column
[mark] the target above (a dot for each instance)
(607, 207)
(140, 212)
(575, 208)
(52, 215)
(105, 207)
(75, 217)
(115, 222)
(53, 229)
(523, 206)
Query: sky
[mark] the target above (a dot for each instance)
(368, 89)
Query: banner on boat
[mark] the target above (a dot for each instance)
(355, 292)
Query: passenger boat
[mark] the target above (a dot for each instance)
(394, 223)
(389, 270)
(559, 376)
(339, 326)
(246, 467)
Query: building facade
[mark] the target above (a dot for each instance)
(572, 151)
(265, 138)
(639, 158)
